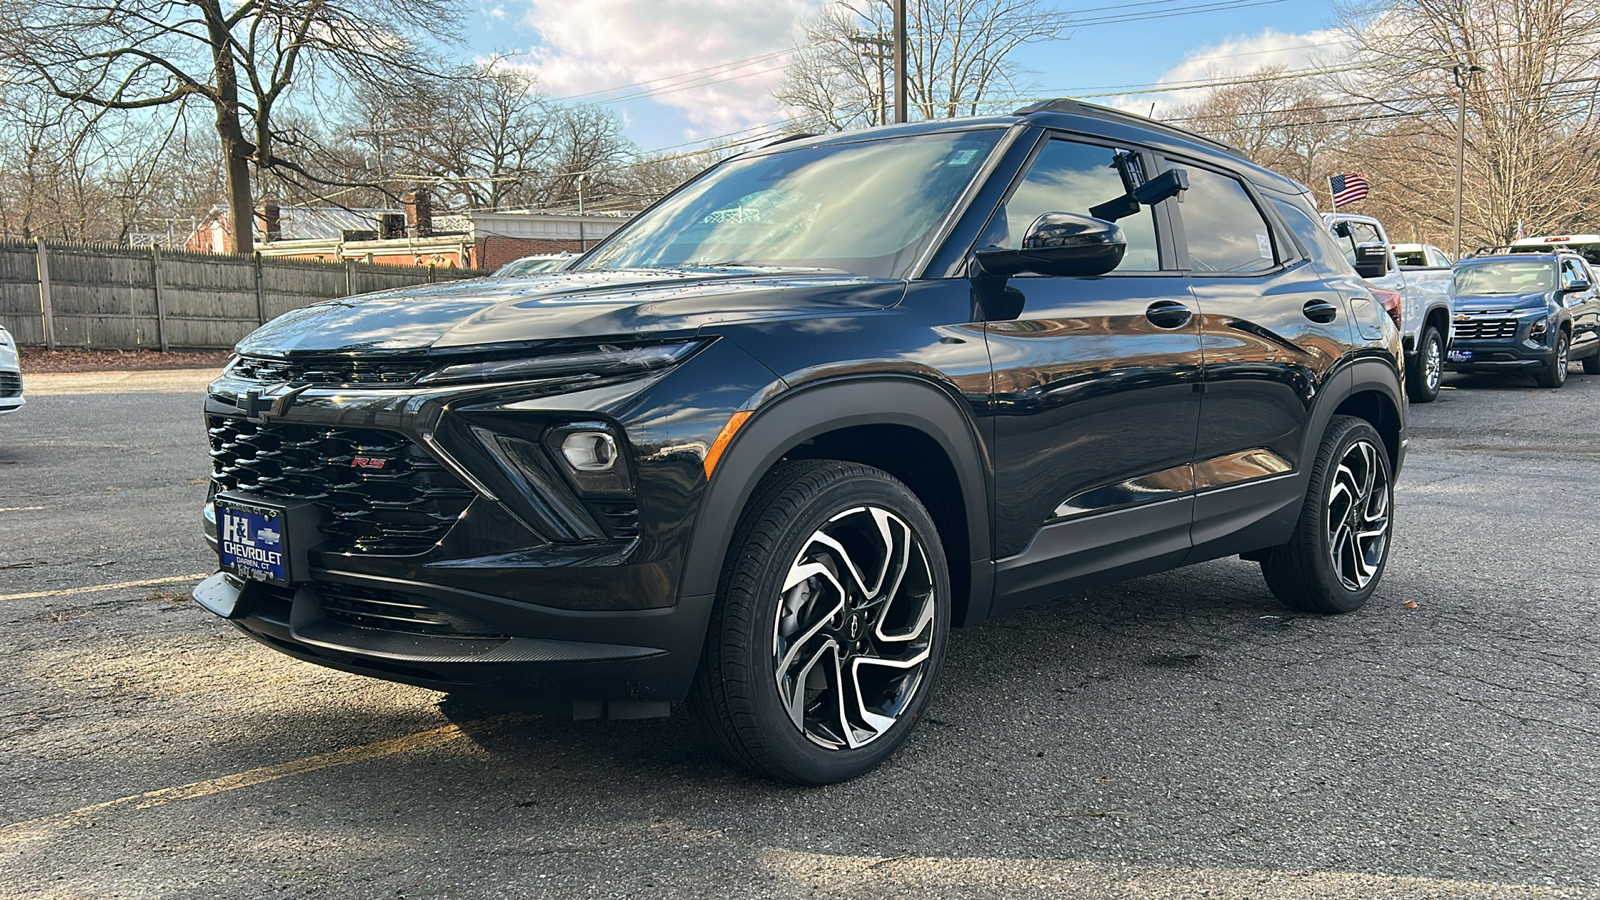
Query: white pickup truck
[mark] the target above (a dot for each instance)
(1425, 325)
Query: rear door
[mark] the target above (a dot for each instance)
(1272, 329)
(1096, 386)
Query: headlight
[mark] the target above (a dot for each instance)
(1537, 329)
(602, 361)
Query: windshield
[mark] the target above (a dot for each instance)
(1505, 277)
(868, 208)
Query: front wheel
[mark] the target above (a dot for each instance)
(829, 627)
(1339, 547)
(1555, 372)
(1422, 382)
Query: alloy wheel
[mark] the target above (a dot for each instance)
(1433, 365)
(1358, 515)
(855, 625)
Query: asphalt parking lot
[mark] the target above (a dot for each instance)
(1176, 736)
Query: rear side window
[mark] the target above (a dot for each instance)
(1227, 234)
(1313, 237)
(1071, 177)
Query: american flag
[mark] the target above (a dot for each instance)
(1347, 188)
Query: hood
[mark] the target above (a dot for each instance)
(1484, 303)
(563, 305)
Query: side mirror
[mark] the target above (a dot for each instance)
(1059, 243)
(1372, 260)
(1576, 287)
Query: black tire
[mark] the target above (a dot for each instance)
(1304, 573)
(1554, 374)
(1591, 363)
(1422, 380)
(758, 692)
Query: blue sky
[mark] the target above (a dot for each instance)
(615, 50)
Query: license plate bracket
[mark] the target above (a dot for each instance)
(265, 540)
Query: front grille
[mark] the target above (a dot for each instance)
(332, 372)
(403, 507)
(10, 384)
(1485, 329)
(374, 608)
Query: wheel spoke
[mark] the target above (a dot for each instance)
(794, 689)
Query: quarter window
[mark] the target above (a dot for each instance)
(1076, 178)
(1226, 232)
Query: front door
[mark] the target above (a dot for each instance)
(1096, 391)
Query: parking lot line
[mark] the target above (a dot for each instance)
(91, 588)
(194, 790)
(5, 509)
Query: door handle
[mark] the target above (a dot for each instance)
(1168, 314)
(1321, 311)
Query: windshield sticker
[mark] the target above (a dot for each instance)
(1265, 243)
(961, 158)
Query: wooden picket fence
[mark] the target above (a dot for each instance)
(107, 296)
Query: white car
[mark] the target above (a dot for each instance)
(1420, 256)
(1585, 245)
(10, 374)
(534, 265)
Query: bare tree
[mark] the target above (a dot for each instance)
(1533, 111)
(241, 58)
(957, 56)
(482, 138)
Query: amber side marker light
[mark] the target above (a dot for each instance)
(735, 422)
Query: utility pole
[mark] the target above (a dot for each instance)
(900, 60)
(876, 48)
(1463, 76)
(583, 242)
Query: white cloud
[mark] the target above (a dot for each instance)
(1234, 58)
(589, 45)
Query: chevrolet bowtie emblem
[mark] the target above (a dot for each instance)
(260, 405)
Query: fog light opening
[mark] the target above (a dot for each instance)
(590, 451)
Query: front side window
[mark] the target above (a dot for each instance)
(868, 208)
(1071, 177)
(1227, 234)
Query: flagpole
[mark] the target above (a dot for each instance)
(1331, 195)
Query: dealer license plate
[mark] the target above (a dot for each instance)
(1460, 355)
(252, 540)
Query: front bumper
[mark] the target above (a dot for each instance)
(622, 664)
(532, 588)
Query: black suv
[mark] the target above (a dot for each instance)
(761, 449)
(1525, 313)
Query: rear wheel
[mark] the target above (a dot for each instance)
(1591, 363)
(1555, 373)
(1340, 545)
(1422, 382)
(830, 625)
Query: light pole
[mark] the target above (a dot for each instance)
(582, 242)
(900, 60)
(1463, 76)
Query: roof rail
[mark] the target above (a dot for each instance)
(1095, 111)
(789, 137)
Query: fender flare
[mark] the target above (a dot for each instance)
(1360, 376)
(810, 411)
